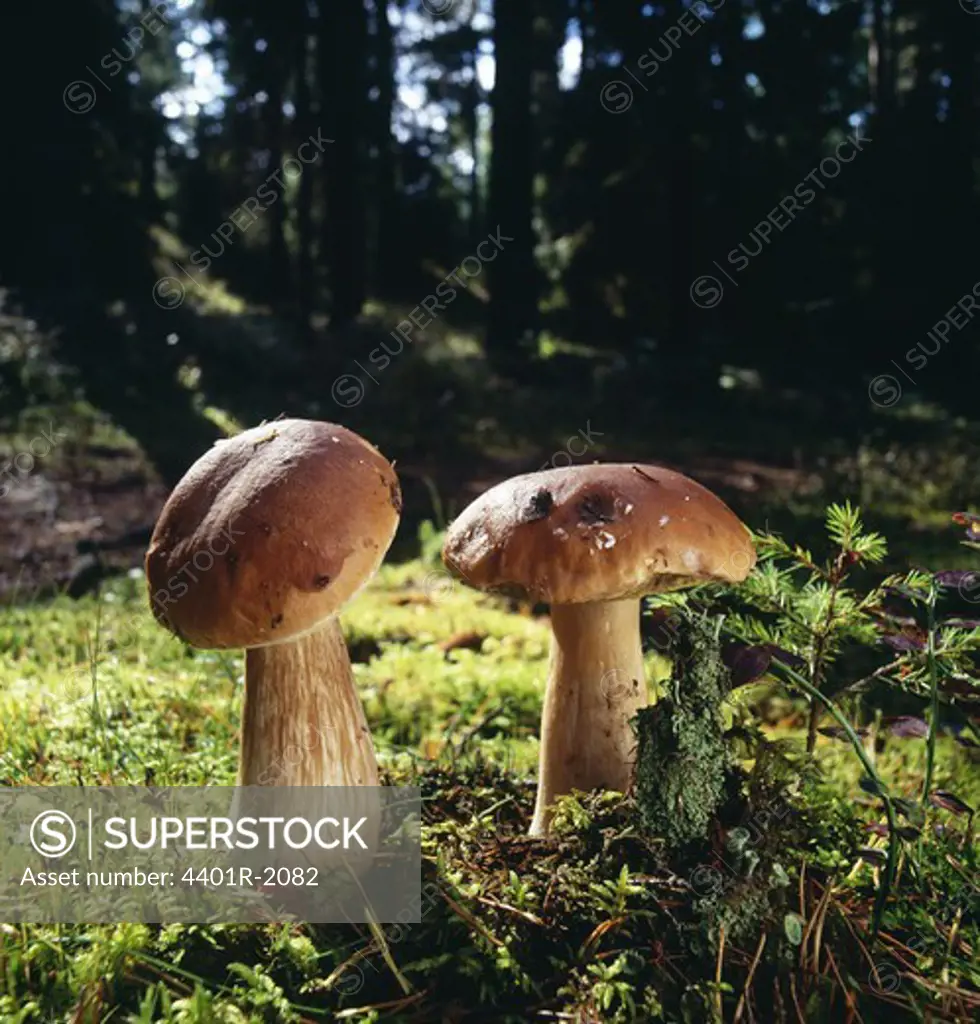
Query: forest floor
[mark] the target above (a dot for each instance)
(595, 924)
(95, 487)
(93, 692)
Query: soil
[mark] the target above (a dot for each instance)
(51, 518)
(70, 521)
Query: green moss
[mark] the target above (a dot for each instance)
(600, 922)
(684, 768)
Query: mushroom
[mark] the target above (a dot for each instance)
(591, 541)
(259, 546)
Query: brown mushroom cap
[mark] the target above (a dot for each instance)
(597, 533)
(269, 533)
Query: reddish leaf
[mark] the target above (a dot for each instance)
(959, 686)
(893, 616)
(749, 664)
(905, 832)
(942, 798)
(874, 856)
(788, 658)
(955, 577)
(730, 651)
(835, 732)
(905, 641)
(906, 726)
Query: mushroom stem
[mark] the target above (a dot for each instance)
(596, 684)
(303, 723)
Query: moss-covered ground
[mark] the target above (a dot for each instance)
(766, 920)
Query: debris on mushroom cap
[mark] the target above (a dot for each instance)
(597, 533)
(269, 533)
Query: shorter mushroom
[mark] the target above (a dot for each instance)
(591, 541)
(259, 546)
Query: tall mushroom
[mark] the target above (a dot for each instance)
(591, 541)
(259, 545)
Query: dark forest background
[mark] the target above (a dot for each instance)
(616, 204)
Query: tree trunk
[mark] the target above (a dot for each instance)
(342, 60)
(881, 63)
(961, 62)
(304, 204)
(278, 253)
(513, 300)
(387, 256)
(732, 119)
(680, 368)
(149, 201)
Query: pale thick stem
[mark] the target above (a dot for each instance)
(596, 684)
(303, 723)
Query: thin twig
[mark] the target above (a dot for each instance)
(857, 938)
(379, 936)
(872, 677)
(803, 913)
(848, 998)
(496, 904)
(796, 1002)
(484, 719)
(815, 927)
(748, 981)
(472, 921)
(718, 965)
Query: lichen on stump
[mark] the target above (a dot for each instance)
(684, 769)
